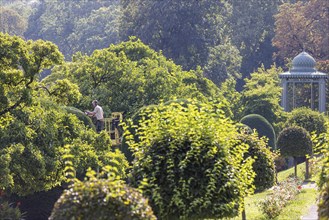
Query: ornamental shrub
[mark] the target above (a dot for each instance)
(101, 199)
(263, 127)
(81, 116)
(273, 204)
(312, 121)
(295, 142)
(264, 160)
(188, 163)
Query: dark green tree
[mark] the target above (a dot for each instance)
(262, 126)
(264, 160)
(295, 142)
(192, 33)
(252, 23)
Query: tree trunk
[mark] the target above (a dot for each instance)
(307, 169)
(295, 164)
(244, 214)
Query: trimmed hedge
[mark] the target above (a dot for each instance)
(312, 121)
(263, 127)
(263, 166)
(101, 199)
(80, 115)
(294, 142)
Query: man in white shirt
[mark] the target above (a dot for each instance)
(99, 114)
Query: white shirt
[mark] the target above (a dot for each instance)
(99, 112)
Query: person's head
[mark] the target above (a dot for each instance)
(95, 102)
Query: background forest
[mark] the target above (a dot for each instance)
(171, 66)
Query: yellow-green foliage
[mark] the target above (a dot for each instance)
(322, 148)
(188, 162)
(108, 199)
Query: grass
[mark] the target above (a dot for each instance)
(294, 209)
(283, 175)
(300, 205)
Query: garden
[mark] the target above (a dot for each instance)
(201, 132)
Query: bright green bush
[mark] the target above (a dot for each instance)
(264, 160)
(101, 199)
(188, 163)
(263, 127)
(312, 121)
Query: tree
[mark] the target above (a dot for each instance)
(34, 129)
(192, 33)
(295, 142)
(129, 75)
(11, 22)
(262, 94)
(302, 26)
(75, 25)
(20, 64)
(252, 23)
(311, 121)
(188, 162)
(262, 126)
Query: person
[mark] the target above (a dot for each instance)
(99, 114)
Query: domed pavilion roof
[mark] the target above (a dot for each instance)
(303, 62)
(303, 67)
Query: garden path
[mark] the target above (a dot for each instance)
(313, 210)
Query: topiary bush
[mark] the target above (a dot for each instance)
(264, 160)
(188, 163)
(312, 121)
(101, 199)
(263, 127)
(295, 142)
(80, 115)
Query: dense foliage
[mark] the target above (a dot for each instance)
(189, 163)
(302, 25)
(101, 199)
(294, 142)
(262, 93)
(129, 75)
(322, 149)
(312, 121)
(35, 131)
(262, 126)
(264, 160)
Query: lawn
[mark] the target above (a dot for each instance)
(294, 209)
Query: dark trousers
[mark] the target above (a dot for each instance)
(99, 125)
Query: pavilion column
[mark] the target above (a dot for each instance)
(284, 100)
(322, 95)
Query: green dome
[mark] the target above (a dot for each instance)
(303, 62)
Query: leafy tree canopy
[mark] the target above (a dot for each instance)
(302, 26)
(129, 75)
(262, 94)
